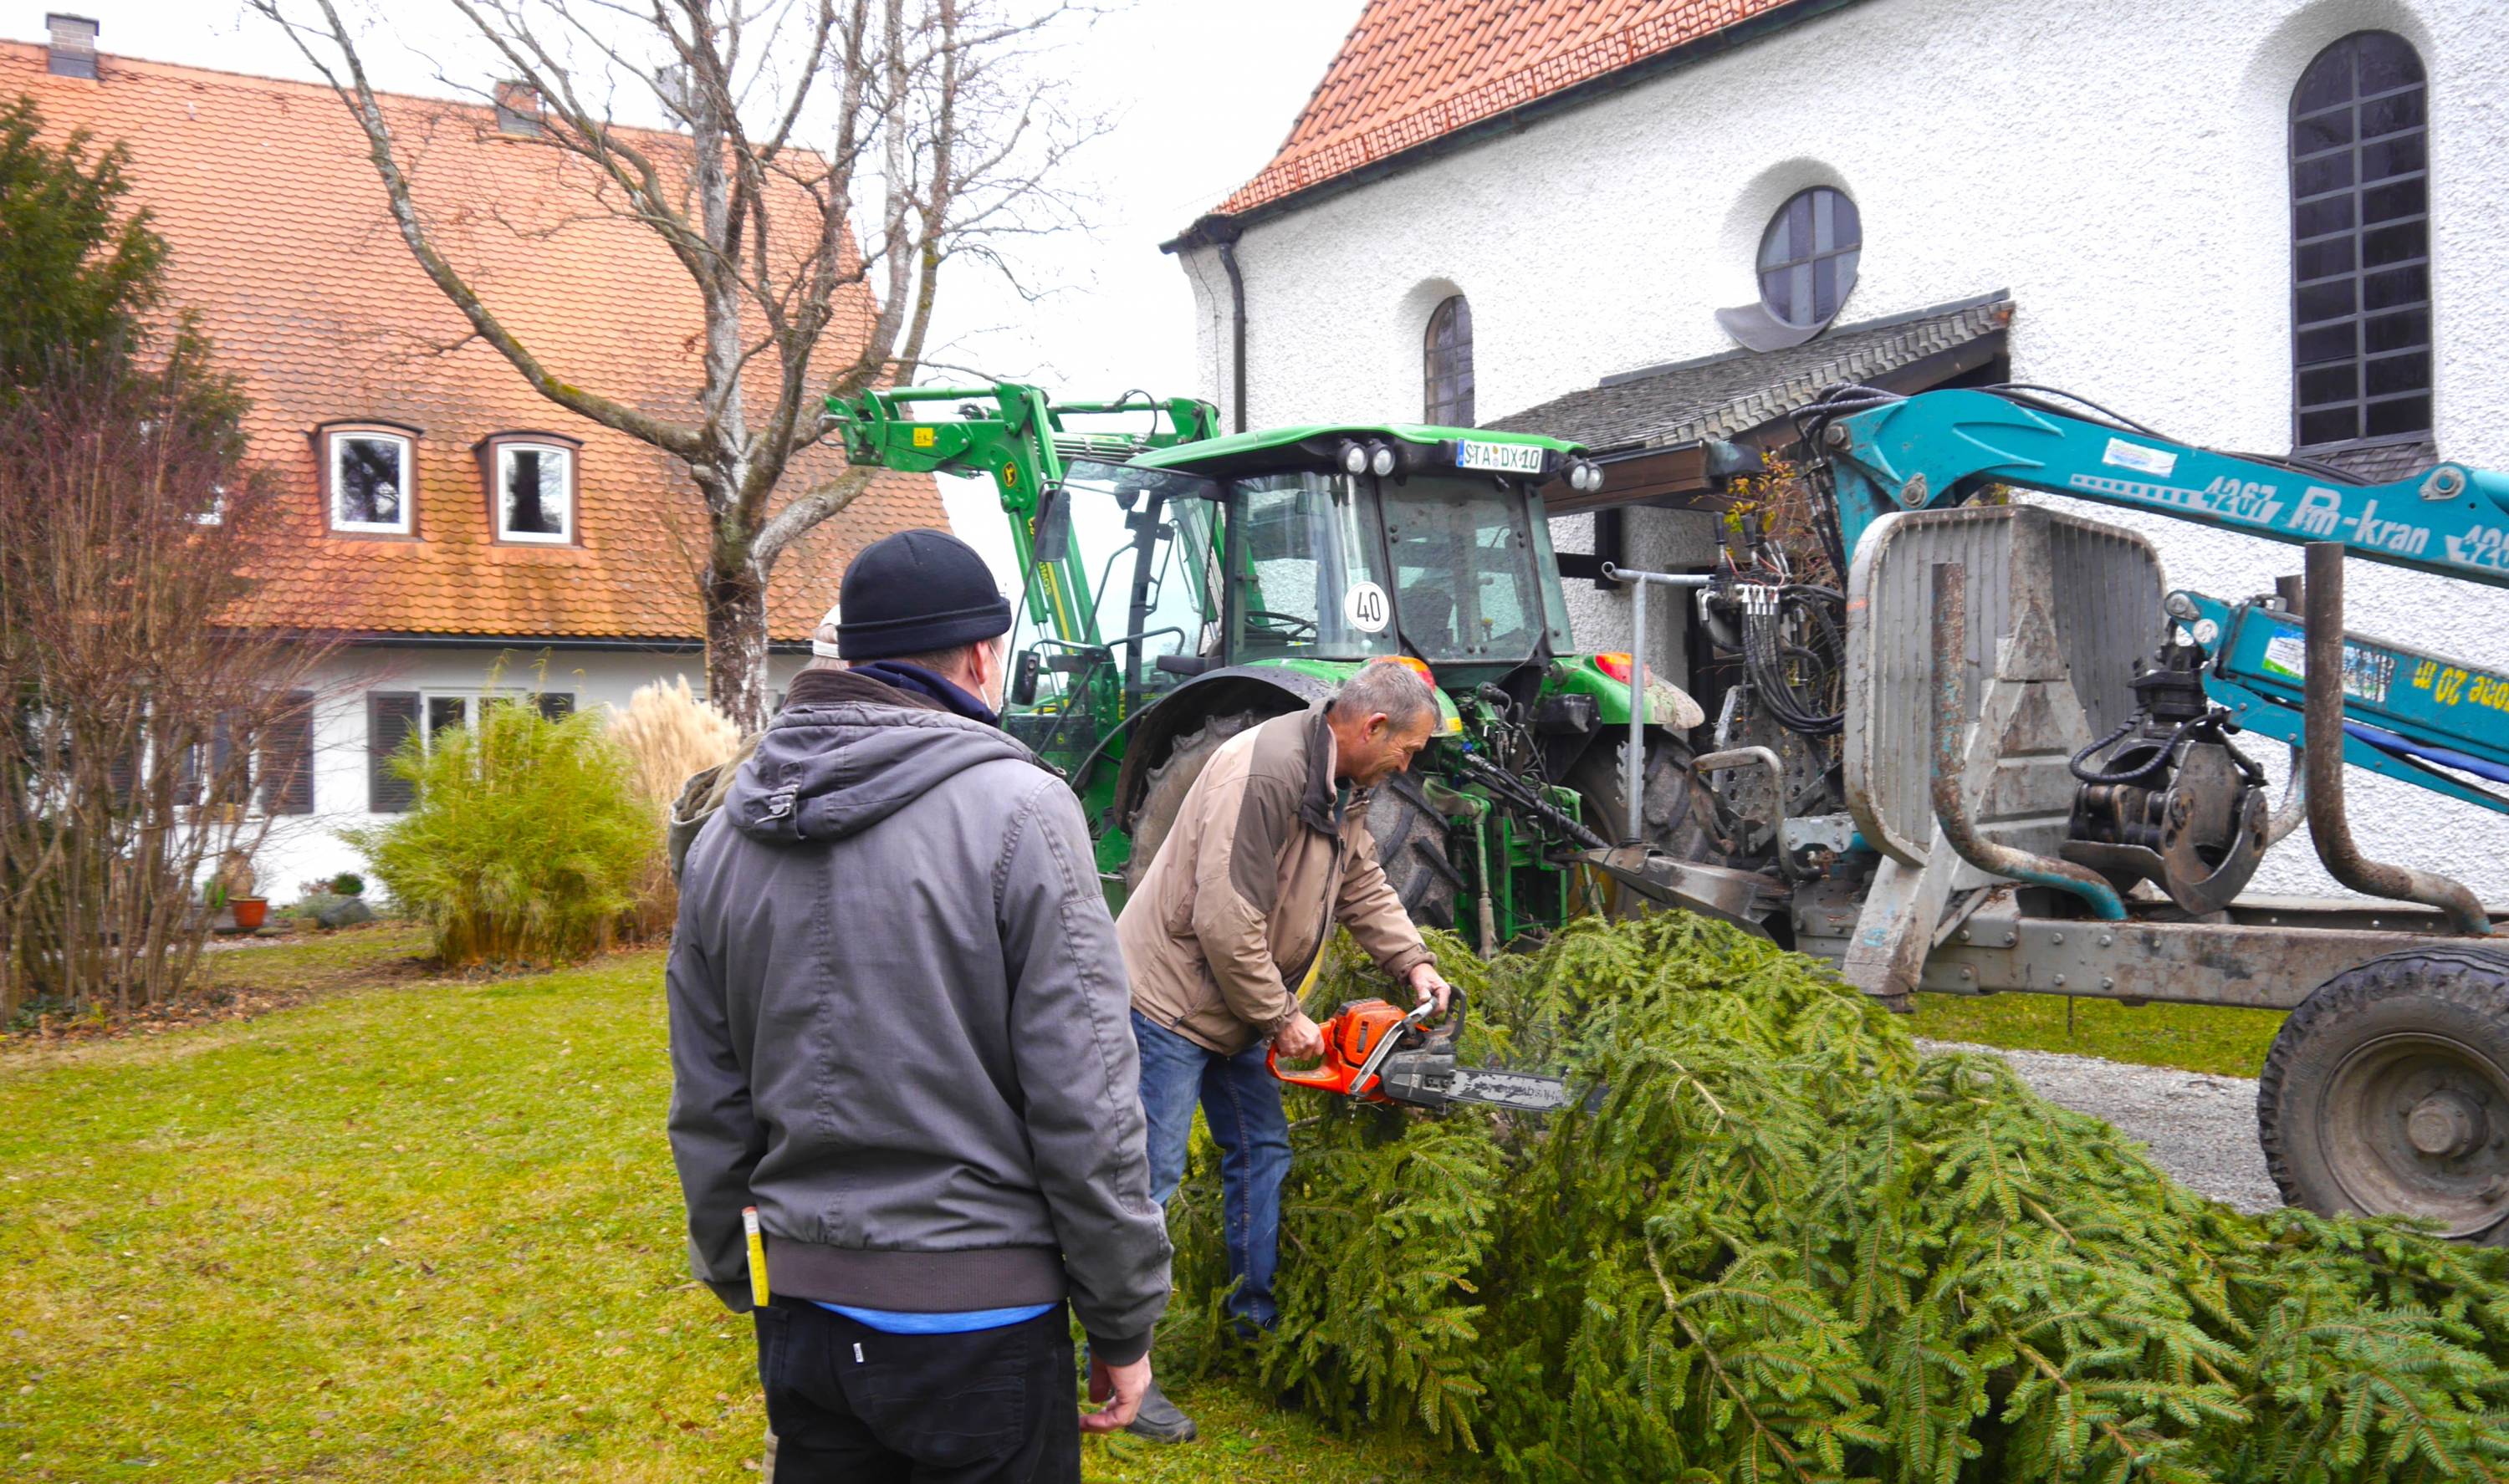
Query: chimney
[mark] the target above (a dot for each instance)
(518, 109)
(73, 49)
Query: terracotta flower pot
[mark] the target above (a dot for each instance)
(250, 911)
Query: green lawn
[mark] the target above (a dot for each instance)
(424, 1230)
(2200, 1038)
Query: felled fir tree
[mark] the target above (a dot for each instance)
(1784, 1246)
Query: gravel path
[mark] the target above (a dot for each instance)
(2201, 1127)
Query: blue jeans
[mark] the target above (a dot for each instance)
(1240, 1102)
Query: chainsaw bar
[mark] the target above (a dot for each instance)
(1508, 1090)
(1430, 1079)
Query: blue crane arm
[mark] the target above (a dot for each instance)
(2404, 708)
(1942, 448)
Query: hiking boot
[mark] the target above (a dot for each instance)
(1160, 1421)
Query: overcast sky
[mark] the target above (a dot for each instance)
(1198, 94)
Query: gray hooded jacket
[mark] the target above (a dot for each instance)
(900, 1028)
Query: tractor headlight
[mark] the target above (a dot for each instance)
(1584, 477)
(1380, 459)
(1354, 458)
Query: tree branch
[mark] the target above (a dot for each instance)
(358, 96)
(805, 512)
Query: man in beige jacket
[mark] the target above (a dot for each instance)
(1270, 848)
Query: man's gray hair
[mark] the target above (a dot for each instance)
(1391, 686)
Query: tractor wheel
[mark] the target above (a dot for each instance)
(2387, 1092)
(1412, 847)
(1676, 816)
(1163, 796)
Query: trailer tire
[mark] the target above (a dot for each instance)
(2386, 1092)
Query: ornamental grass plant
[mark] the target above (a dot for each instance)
(1781, 1245)
(525, 841)
(666, 735)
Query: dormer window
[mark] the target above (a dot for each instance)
(370, 479)
(531, 491)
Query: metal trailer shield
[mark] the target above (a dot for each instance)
(2059, 609)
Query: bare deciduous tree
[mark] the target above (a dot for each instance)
(824, 159)
(147, 733)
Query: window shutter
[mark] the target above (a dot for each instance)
(122, 774)
(556, 705)
(230, 761)
(391, 715)
(287, 757)
(187, 767)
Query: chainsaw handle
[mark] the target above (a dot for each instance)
(1332, 1077)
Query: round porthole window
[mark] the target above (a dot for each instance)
(1808, 257)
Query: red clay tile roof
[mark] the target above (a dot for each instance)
(278, 237)
(1414, 69)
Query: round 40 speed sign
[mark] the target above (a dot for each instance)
(1367, 607)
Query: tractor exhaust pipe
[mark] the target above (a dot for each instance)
(2322, 749)
(1633, 781)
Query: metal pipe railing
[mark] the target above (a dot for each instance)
(2322, 751)
(1633, 781)
(1951, 807)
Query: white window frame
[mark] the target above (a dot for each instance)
(332, 455)
(428, 696)
(472, 699)
(565, 533)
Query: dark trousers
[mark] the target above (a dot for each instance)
(850, 1404)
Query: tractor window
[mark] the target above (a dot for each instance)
(1178, 569)
(1308, 584)
(1134, 533)
(1464, 576)
(1546, 571)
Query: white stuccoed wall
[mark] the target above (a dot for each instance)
(303, 847)
(2121, 167)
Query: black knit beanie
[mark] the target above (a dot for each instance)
(918, 592)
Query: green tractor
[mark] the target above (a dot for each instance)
(1183, 587)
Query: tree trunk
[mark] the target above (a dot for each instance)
(735, 616)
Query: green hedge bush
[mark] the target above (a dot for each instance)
(1785, 1247)
(525, 839)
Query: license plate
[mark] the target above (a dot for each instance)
(1498, 458)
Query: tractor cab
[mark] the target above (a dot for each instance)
(1454, 569)
(1330, 546)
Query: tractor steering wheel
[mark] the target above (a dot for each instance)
(1287, 626)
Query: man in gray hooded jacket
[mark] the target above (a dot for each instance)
(900, 1031)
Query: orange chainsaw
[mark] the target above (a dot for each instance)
(1376, 1053)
